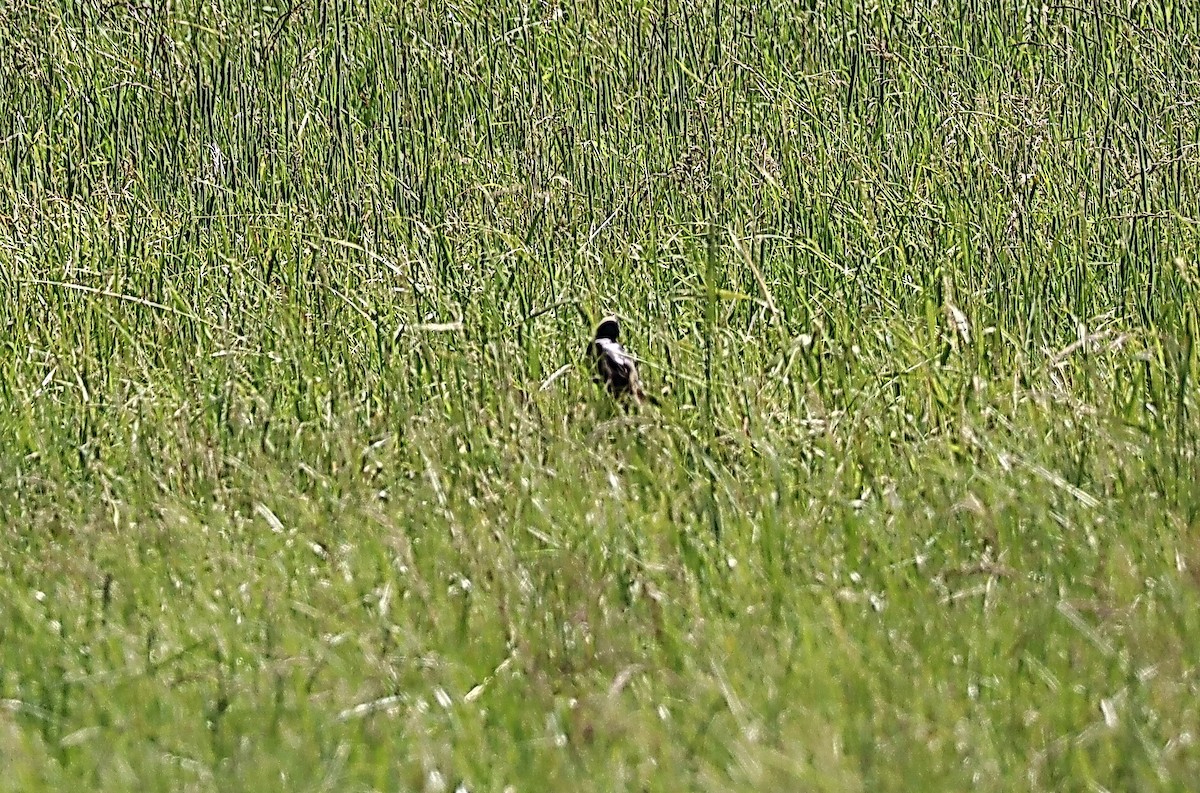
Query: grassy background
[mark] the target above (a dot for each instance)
(297, 495)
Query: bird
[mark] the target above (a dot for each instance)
(615, 367)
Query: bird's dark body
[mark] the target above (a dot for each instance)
(615, 367)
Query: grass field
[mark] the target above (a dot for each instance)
(297, 493)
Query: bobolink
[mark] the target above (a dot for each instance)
(615, 367)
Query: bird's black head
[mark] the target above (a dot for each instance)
(609, 328)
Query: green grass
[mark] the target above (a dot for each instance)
(297, 497)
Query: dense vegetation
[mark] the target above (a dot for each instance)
(306, 485)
